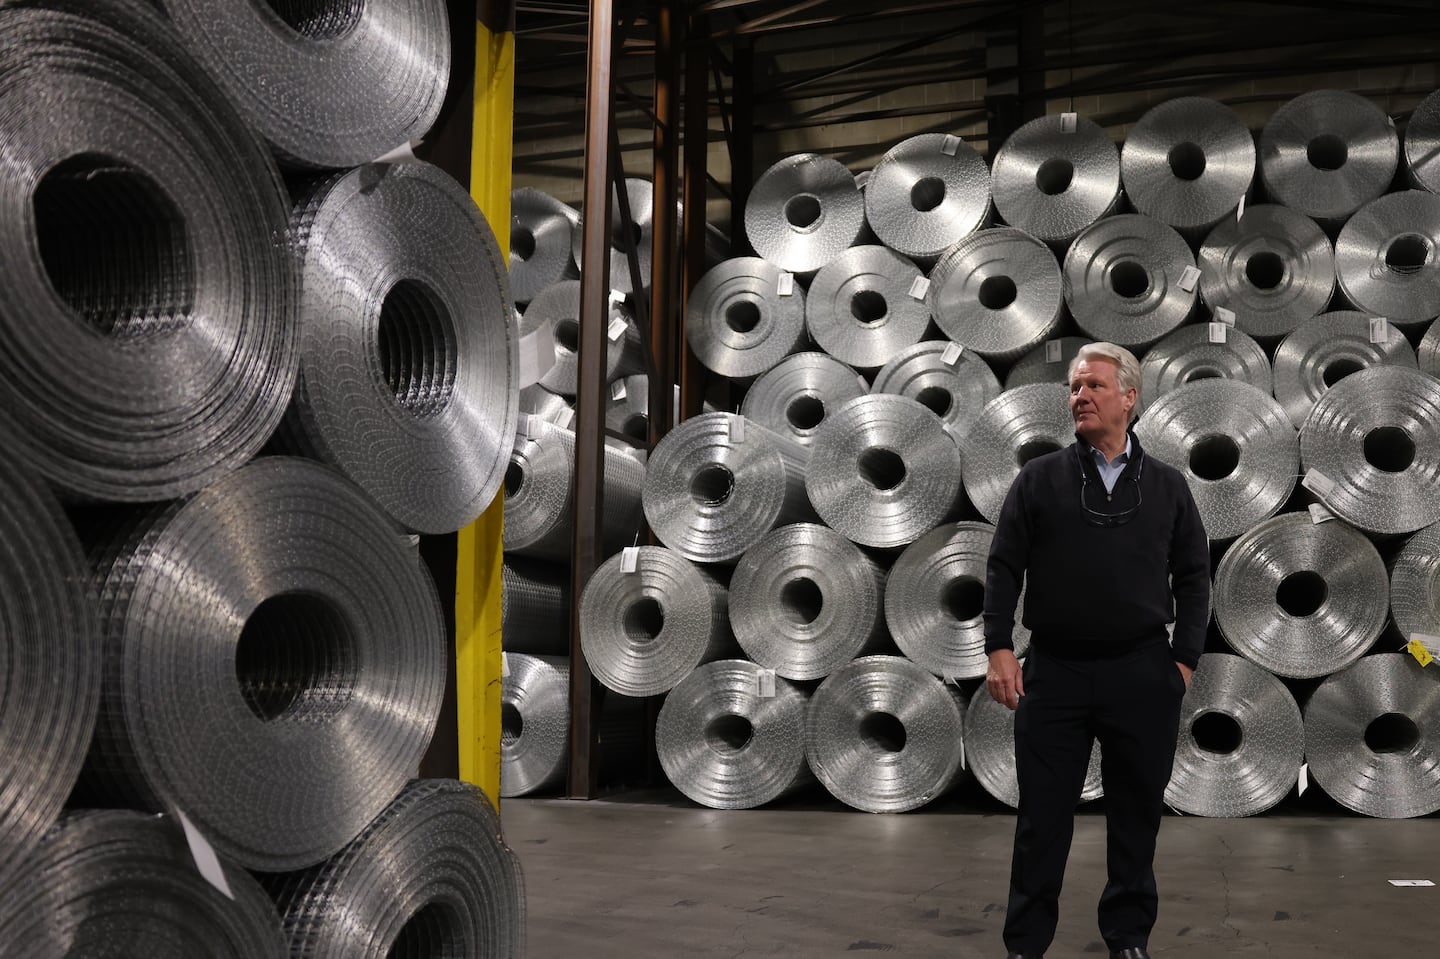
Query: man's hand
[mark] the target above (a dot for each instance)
(1003, 678)
(1185, 671)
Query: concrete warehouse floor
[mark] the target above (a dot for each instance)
(650, 874)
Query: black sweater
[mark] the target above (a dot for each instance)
(1099, 590)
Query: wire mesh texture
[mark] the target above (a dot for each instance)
(534, 723)
(542, 236)
(1415, 584)
(804, 211)
(927, 192)
(942, 376)
(556, 311)
(1014, 428)
(745, 316)
(1188, 163)
(1053, 180)
(1386, 258)
(795, 395)
(1325, 350)
(1191, 354)
(1327, 153)
(863, 307)
(1123, 280)
(998, 292)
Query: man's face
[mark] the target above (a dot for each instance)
(1097, 404)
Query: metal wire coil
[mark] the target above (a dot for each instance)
(1188, 162)
(997, 292)
(1241, 741)
(1299, 598)
(717, 483)
(1386, 257)
(641, 195)
(926, 193)
(542, 237)
(1188, 355)
(726, 746)
(557, 309)
(804, 601)
(147, 332)
(796, 395)
(990, 752)
(1014, 428)
(1274, 269)
(884, 735)
(1037, 366)
(534, 724)
(536, 400)
(644, 631)
(1122, 280)
(1053, 184)
(535, 607)
(627, 407)
(803, 212)
(274, 663)
(1372, 737)
(430, 876)
(118, 882)
(1422, 144)
(883, 471)
(1325, 350)
(861, 308)
(1327, 153)
(1376, 436)
(739, 323)
(1415, 584)
(1427, 354)
(955, 391)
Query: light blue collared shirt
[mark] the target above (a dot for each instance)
(1110, 471)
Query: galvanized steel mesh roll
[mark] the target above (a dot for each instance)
(534, 723)
(1233, 444)
(796, 395)
(118, 882)
(934, 596)
(1422, 144)
(948, 380)
(1014, 428)
(150, 380)
(990, 752)
(1415, 584)
(717, 483)
(997, 292)
(926, 193)
(1325, 350)
(1188, 162)
(627, 407)
(1375, 436)
(804, 601)
(1241, 741)
(726, 744)
(1047, 363)
(1274, 269)
(1299, 598)
(1427, 354)
(408, 365)
(1327, 153)
(862, 307)
(542, 237)
(744, 316)
(884, 735)
(803, 212)
(430, 876)
(1053, 180)
(1387, 257)
(1372, 737)
(644, 631)
(883, 471)
(641, 195)
(274, 660)
(536, 400)
(535, 607)
(1123, 280)
(557, 309)
(1189, 355)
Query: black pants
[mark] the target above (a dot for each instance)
(1131, 703)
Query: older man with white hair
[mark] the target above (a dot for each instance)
(1111, 549)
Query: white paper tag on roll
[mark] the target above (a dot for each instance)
(1303, 781)
(1217, 332)
(1069, 122)
(1188, 278)
(1410, 882)
(564, 418)
(617, 390)
(617, 329)
(1379, 329)
(206, 861)
(504, 665)
(1319, 514)
(1225, 316)
(951, 356)
(919, 287)
(522, 427)
(1240, 208)
(951, 144)
(765, 684)
(629, 559)
(537, 356)
(737, 428)
(862, 178)
(617, 297)
(404, 153)
(1052, 351)
(786, 285)
(1318, 483)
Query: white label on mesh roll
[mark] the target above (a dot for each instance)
(1410, 882)
(1240, 208)
(1303, 782)
(617, 297)
(765, 684)
(1052, 351)
(629, 559)
(1319, 514)
(504, 665)
(1225, 316)
(1217, 332)
(537, 356)
(1390, 120)
(522, 426)
(951, 144)
(564, 418)
(786, 285)
(404, 153)
(1379, 329)
(1068, 122)
(1189, 278)
(862, 178)
(617, 329)
(951, 356)
(204, 855)
(1318, 483)
(737, 429)
(617, 390)
(919, 287)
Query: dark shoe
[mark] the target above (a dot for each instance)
(1133, 952)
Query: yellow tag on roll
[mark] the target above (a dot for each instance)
(1418, 650)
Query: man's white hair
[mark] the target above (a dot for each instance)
(1127, 374)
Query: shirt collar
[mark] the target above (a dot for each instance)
(1124, 456)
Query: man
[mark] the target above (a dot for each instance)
(1112, 549)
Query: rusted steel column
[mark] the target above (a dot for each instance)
(697, 141)
(664, 317)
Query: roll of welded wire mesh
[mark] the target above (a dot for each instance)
(1386, 258)
(1375, 437)
(1422, 144)
(1427, 354)
(1189, 355)
(1302, 599)
(627, 406)
(408, 369)
(1326, 349)
(803, 212)
(274, 663)
(945, 378)
(1233, 444)
(795, 396)
(1055, 176)
(1372, 737)
(997, 292)
(727, 743)
(990, 752)
(542, 238)
(644, 630)
(430, 876)
(118, 882)
(863, 306)
(1241, 741)
(147, 332)
(744, 316)
(327, 84)
(927, 192)
(883, 471)
(1014, 428)
(1123, 280)
(540, 491)
(536, 400)
(717, 483)
(1415, 584)
(535, 607)
(1188, 162)
(1047, 363)
(1274, 269)
(641, 235)
(1327, 153)
(557, 310)
(534, 723)
(804, 601)
(934, 596)
(884, 735)
(50, 645)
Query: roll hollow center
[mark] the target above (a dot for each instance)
(1217, 733)
(636, 426)
(803, 211)
(296, 660)
(927, 193)
(1265, 270)
(418, 347)
(1337, 370)
(729, 733)
(936, 399)
(1129, 278)
(1327, 152)
(1392, 733)
(712, 485)
(512, 724)
(567, 335)
(522, 243)
(625, 237)
(1302, 593)
(319, 19)
(1033, 448)
(805, 412)
(435, 931)
(997, 292)
(801, 600)
(1203, 373)
(1407, 254)
(1214, 457)
(1187, 161)
(1054, 176)
(514, 478)
(742, 316)
(963, 597)
(883, 469)
(882, 732)
(869, 307)
(643, 619)
(1389, 448)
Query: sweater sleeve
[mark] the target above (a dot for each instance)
(1005, 569)
(1189, 579)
